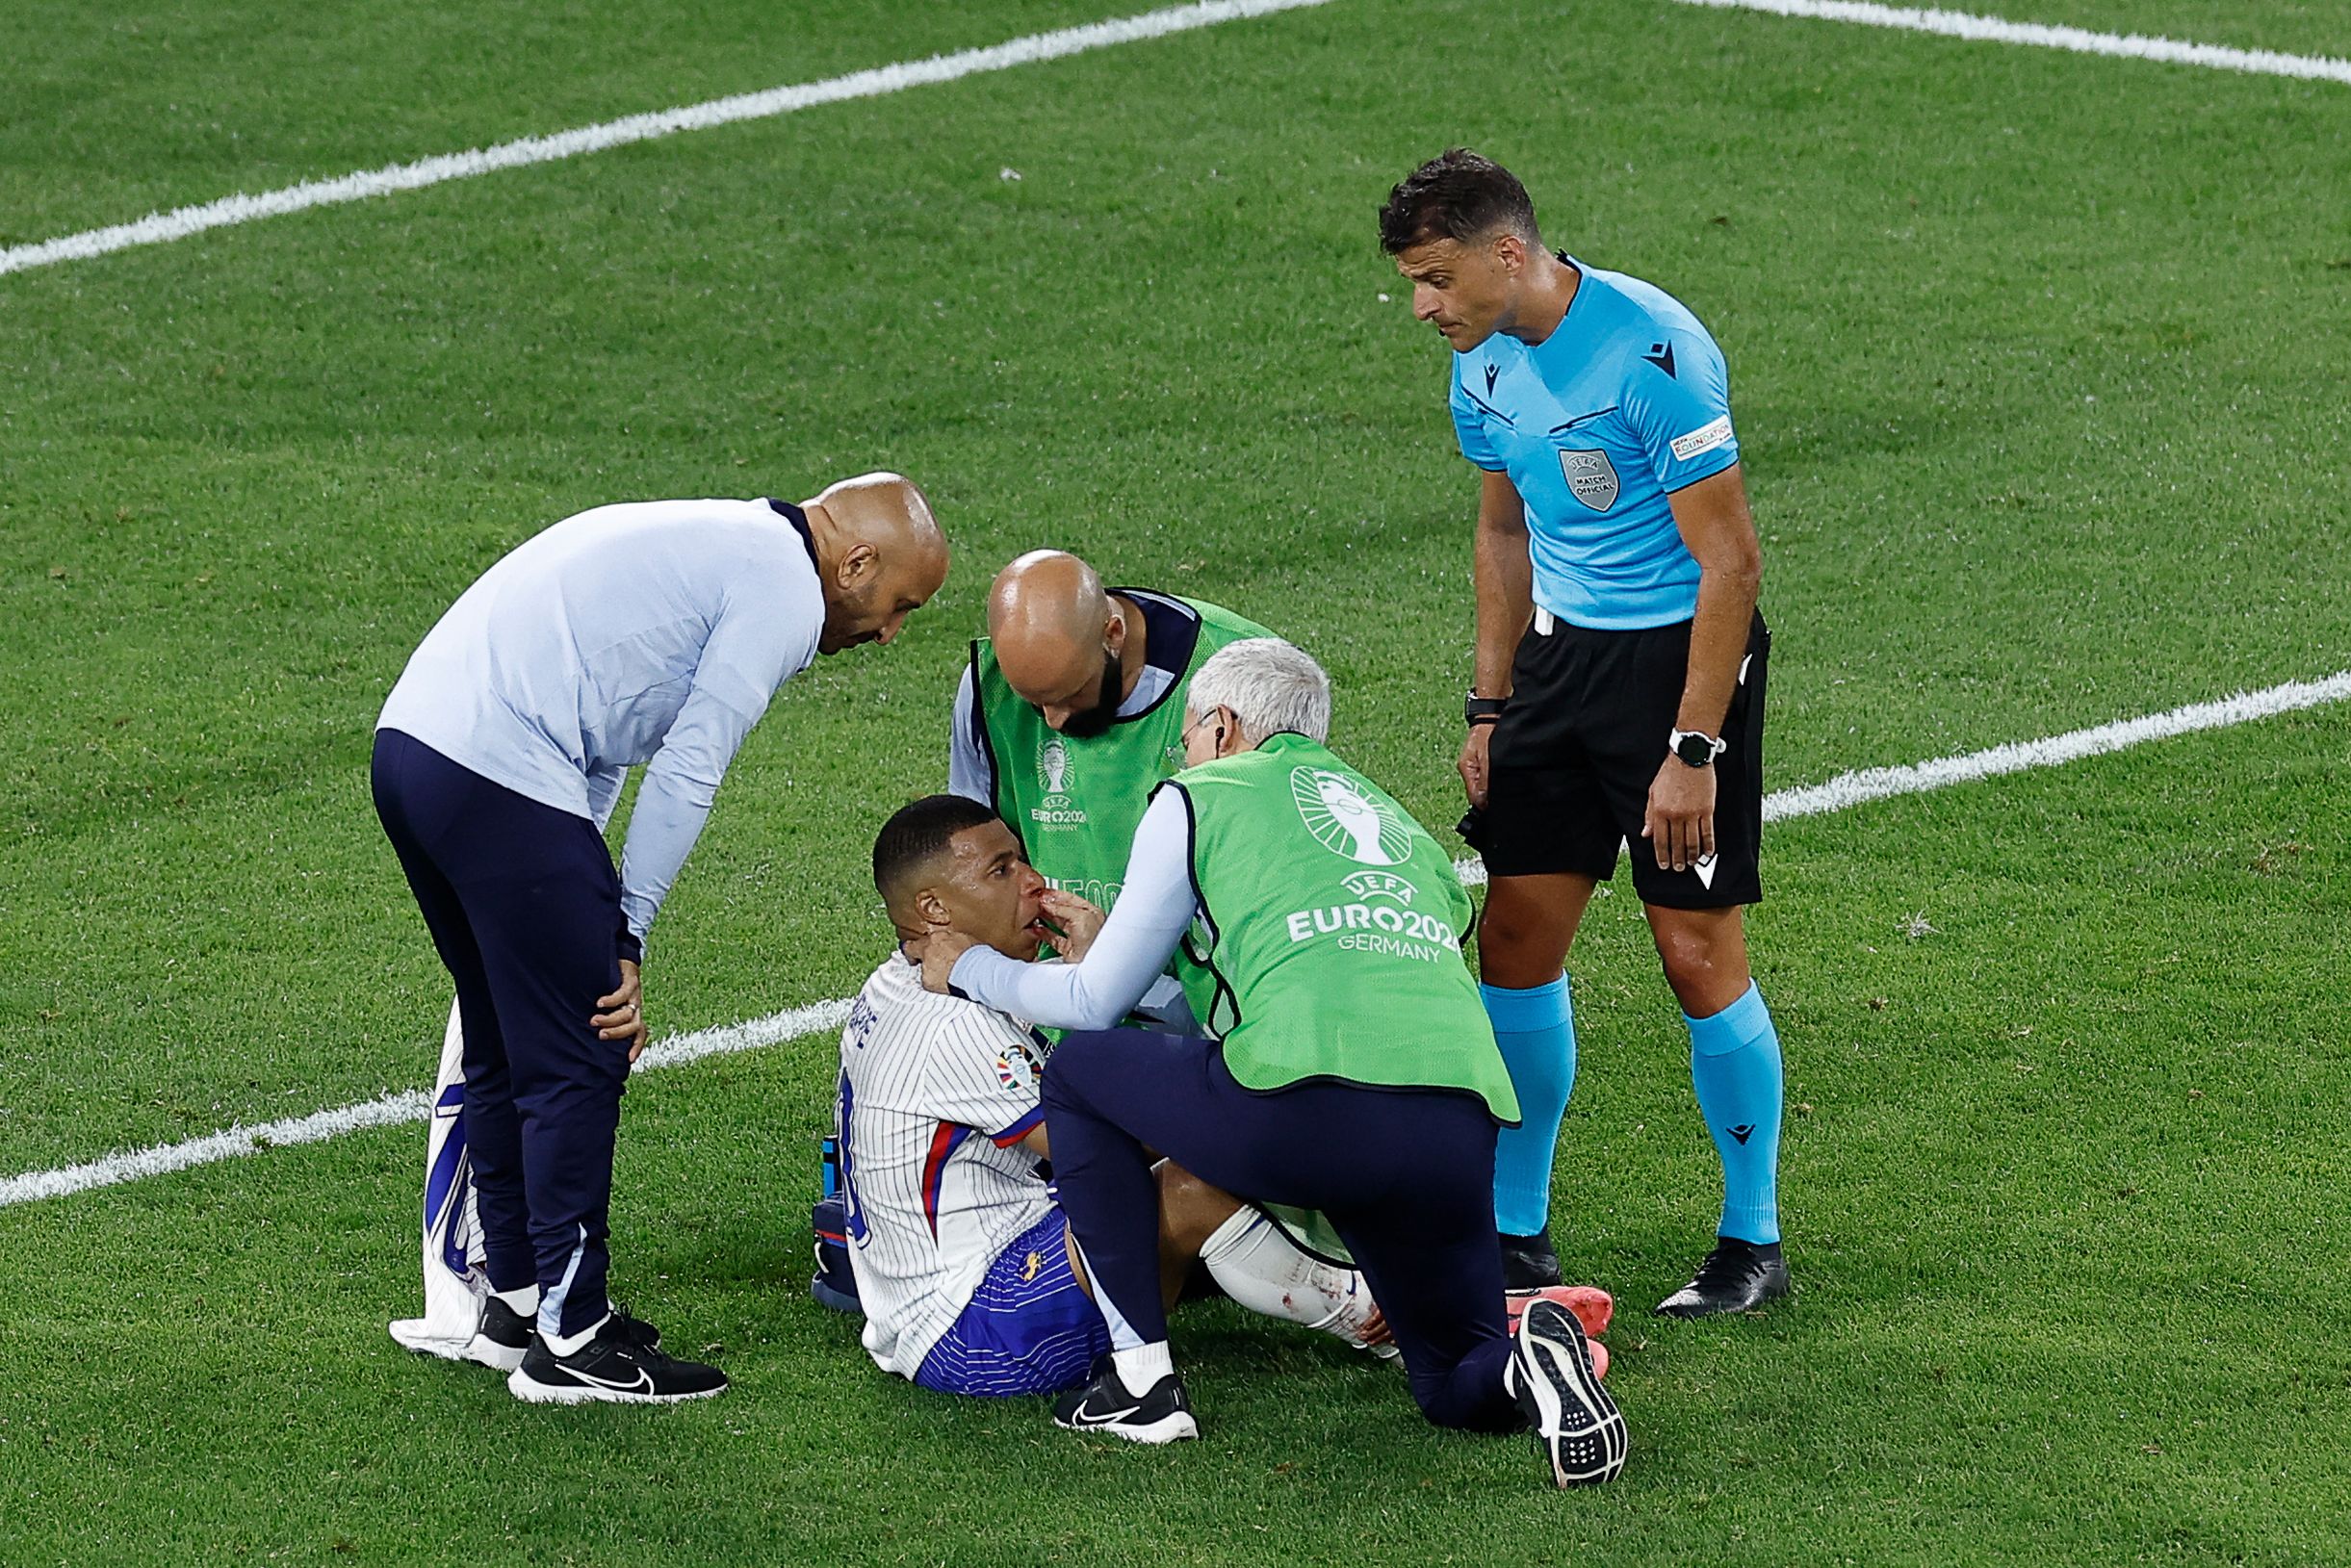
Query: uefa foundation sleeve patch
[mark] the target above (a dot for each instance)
(1702, 440)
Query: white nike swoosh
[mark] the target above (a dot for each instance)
(1086, 1418)
(642, 1385)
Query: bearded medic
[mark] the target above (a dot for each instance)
(1070, 712)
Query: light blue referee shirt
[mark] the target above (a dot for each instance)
(653, 632)
(1626, 401)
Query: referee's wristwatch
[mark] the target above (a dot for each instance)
(1696, 747)
(1477, 710)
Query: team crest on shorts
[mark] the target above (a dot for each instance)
(1591, 479)
(1346, 821)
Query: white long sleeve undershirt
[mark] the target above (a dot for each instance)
(1155, 906)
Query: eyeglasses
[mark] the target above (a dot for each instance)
(1185, 739)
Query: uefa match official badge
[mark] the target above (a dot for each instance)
(1346, 821)
(1591, 479)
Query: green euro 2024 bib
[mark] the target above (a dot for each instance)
(1075, 802)
(1328, 945)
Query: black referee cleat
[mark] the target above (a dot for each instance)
(1736, 1276)
(1577, 1426)
(1161, 1414)
(1528, 1262)
(616, 1367)
(501, 1338)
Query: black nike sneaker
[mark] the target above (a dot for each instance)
(616, 1367)
(1528, 1262)
(1736, 1276)
(1578, 1428)
(501, 1338)
(636, 1331)
(1160, 1415)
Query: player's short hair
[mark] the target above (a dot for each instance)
(1457, 195)
(1270, 686)
(916, 833)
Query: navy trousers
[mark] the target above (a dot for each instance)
(1407, 1177)
(524, 906)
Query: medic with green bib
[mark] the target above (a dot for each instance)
(1071, 710)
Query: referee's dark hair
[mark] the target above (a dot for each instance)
(916, 833)
(1459, 195)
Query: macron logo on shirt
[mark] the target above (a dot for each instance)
(1702, 440)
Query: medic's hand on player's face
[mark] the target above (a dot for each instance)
(1473, 765)
(939, 951)
(623, 1016)
(1680, 825)
(1075, 923)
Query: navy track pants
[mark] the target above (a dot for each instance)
(1405, 1176)
(524, 906)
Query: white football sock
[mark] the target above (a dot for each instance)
(570, 1344)
(525, 1301)
(1261, 1269)
(1143, 1366)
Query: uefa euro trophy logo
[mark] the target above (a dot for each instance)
(1345, 820)
(1053, 767)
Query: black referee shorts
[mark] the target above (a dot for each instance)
(1580, 744)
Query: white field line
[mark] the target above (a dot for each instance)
(1917, 778)
(1960, 24)
(159, 228)
(1846, 789)
(389, 1110)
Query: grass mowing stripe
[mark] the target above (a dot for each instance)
(161, 228)
(1844, 791)
(1960, 24)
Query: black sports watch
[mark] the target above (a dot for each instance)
(1696, 747)
(1477, 710)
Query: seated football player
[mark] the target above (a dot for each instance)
(960, 1253)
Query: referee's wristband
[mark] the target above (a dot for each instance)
(1477, 710)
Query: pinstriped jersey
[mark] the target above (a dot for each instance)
(936, 1094)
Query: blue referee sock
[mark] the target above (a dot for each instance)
(1735, 1066)
(1535, 1029)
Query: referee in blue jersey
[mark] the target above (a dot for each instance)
(1619, 681)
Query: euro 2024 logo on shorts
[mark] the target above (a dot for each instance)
(1346, 821)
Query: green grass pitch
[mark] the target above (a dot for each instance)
(2038, 361)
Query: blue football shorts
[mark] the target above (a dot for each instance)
(1030, 1327)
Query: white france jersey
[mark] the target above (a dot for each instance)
(936, 1094)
